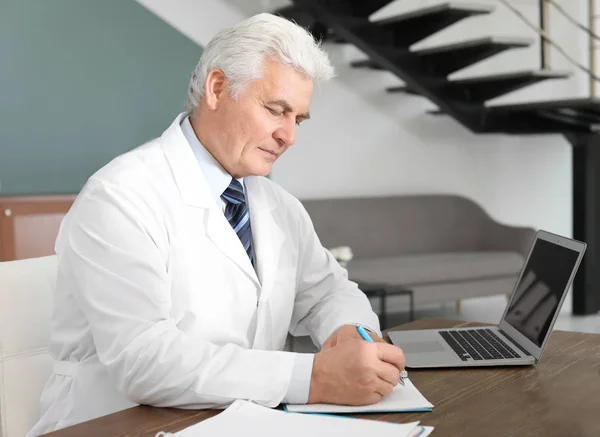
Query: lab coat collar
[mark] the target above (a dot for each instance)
(268, 238)
(188, 176)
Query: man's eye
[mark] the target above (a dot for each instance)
(274, 111)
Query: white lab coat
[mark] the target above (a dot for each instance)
(157, 302)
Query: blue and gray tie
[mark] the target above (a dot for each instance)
(236, 212)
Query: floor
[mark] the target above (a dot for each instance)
(488, 309)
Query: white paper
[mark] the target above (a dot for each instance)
(247, 418)
(402, 399)
(422, 431)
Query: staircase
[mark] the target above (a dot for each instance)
(425, 72)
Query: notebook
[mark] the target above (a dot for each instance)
(401, 400)
(244, 417)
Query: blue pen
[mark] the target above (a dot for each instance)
(365, 336)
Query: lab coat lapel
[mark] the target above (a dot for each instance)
(268, 237)
(196, 193)
(222, 234)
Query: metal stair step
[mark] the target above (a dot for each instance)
(366, 63)
(483, 88)
(566, 122)
(573, 115)
(385, 56)
(446, 59)
(408, 28)
(585, 103)
(402, 89)
(354, 8)
(443, 60)
(435, 112)
(581, 115)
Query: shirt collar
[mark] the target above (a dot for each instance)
(217, 178)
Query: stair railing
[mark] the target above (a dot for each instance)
(590, 30)
(546, 37)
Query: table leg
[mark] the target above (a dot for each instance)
(383, 309)
(586, 212)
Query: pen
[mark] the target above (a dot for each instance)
(365, 336)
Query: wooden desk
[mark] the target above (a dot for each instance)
(559, 397)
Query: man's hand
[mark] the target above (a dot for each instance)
(355, 372)
(344, 333)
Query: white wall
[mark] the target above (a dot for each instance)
(199, 20)
(363, 141)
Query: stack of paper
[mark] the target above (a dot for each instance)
(243, 418)
(401, 400)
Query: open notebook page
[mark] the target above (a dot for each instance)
(402, 399)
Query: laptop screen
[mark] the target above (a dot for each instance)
(540, 289)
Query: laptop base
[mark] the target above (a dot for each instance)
(428, 349)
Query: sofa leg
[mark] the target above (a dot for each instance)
(458, 306)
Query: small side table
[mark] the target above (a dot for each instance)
(382, 291)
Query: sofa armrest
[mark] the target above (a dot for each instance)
(508, 238)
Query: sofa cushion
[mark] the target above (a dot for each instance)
(410, 270)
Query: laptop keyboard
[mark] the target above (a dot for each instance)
(478, 344)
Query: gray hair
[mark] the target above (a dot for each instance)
(240, 51)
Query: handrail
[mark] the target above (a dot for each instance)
(545, 36)
(589, 30)
(565, 14)
(544, 22)
(592, 46)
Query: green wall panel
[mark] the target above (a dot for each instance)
(82, 81)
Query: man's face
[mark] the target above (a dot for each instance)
(260, 125)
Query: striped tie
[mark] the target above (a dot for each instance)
(236, 212)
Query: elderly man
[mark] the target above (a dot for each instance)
(182, 269)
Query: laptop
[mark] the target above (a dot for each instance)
(521, 335)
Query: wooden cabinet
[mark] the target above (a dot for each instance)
(29, 225)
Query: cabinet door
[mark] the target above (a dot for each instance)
(29, 225)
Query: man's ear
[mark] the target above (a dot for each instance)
(214, 87)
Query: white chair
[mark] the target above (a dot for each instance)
(26, 294)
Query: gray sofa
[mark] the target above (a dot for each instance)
(443, 247)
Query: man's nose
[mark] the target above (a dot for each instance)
(286, 134)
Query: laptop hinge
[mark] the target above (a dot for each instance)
(514, 342)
